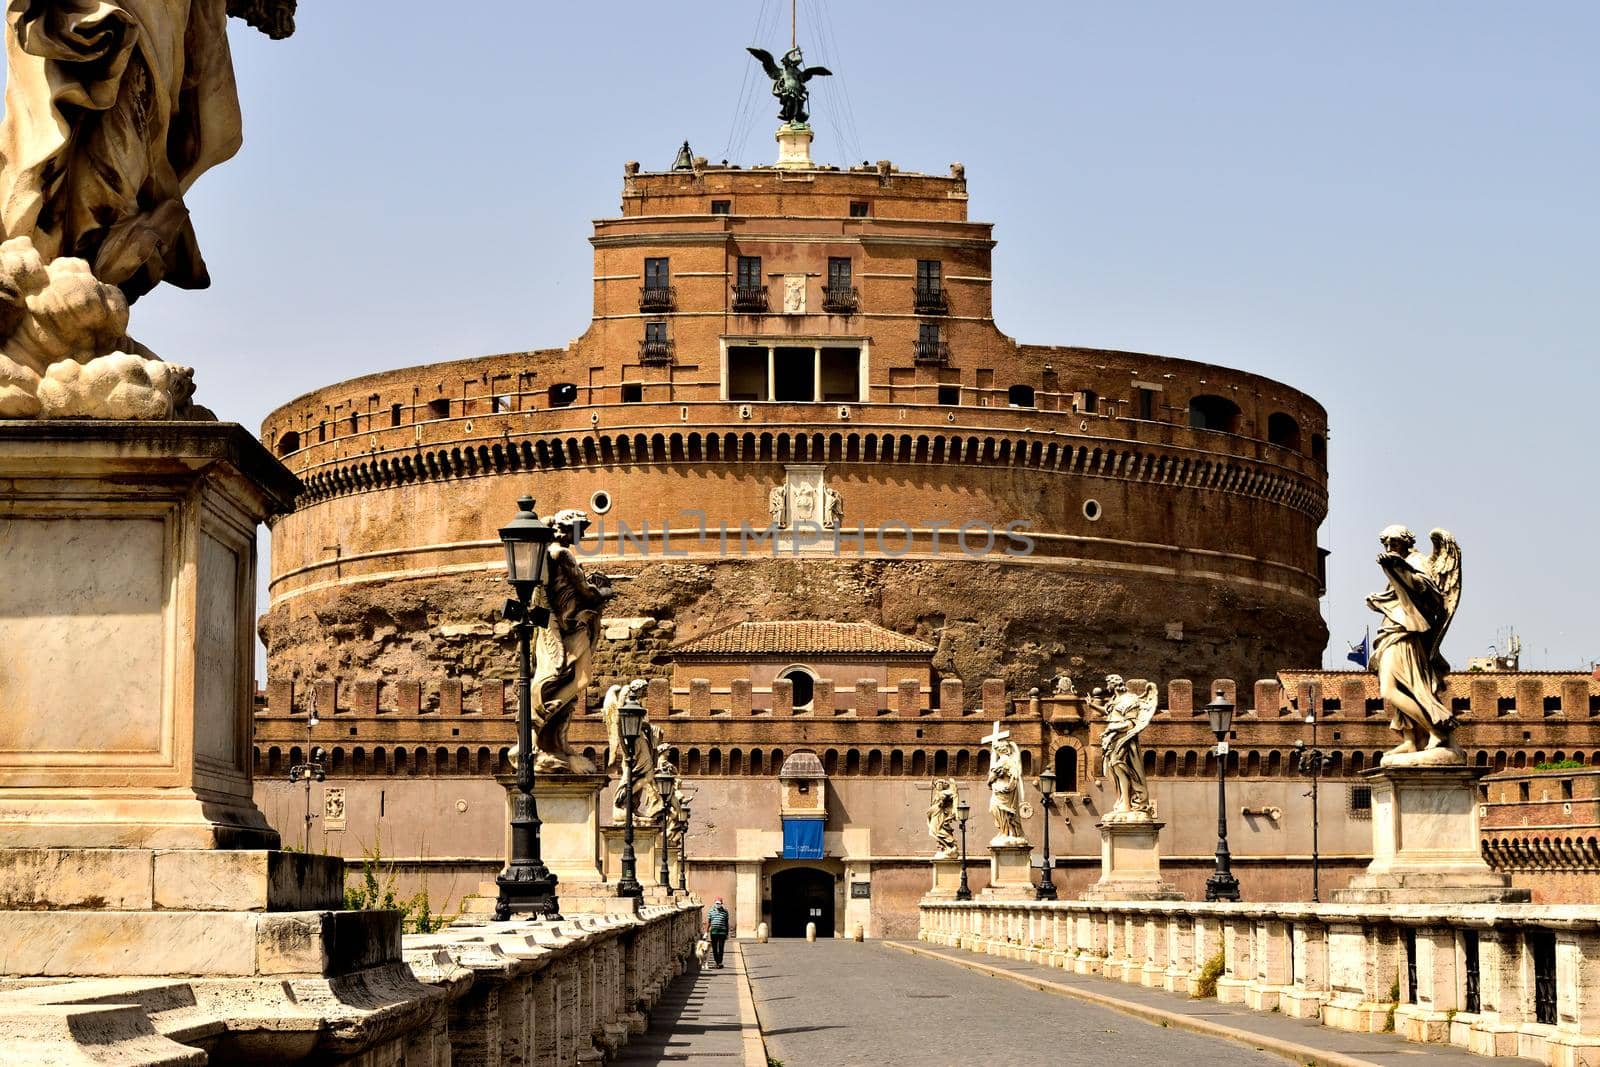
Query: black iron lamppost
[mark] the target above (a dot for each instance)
(1047, 789)
(526, 884)
(963, 810)
(1310, 762)
(664, 783)
(1222, 885)
(308, 772)
(630, 717)
(683, 850)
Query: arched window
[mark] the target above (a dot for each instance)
(288, 442)
(1213, 413)
(1020, 396)
(1066, 769)
(1283, 430)
(805, 685)
(563, 394)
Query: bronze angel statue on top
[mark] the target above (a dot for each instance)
(1126, 717)
(1417, 609)
(789, 83)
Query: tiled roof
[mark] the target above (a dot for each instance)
(803, 638)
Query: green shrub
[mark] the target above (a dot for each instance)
(376, 891)
(1559, 765)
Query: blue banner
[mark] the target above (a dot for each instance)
(802, 839)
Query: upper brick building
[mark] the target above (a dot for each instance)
(811, 344)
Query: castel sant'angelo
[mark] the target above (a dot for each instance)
(864, 532)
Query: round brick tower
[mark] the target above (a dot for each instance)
(801, 349)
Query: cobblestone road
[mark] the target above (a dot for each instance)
(840, 1003)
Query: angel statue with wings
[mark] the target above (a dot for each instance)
(789, 83)
(1416, 608)
(644, 796)
(1126, 717)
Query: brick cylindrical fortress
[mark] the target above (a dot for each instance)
(814, 348)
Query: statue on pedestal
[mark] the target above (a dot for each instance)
(1417, 609)
(1126, 717)
(565, 646)
(645, 797)
(789, 83)
(1007, 802)
(942, 816)
(113, 110)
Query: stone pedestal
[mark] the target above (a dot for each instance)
(1130, 863)
(1010, 872)
(647, 860)
(569, 835)
(129, 556)
(794, 147)
(1425, 843)
(946, 877)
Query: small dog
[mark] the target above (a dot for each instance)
(702, 949)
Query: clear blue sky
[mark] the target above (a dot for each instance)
(1391, 206)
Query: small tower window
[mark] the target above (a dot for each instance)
(1086, 402)
(563, 394)
(950, 394)
(395, 411)
(656, 274)
(804, 683)
(1213, 413)
(858, 209)
(440, 408)
(722, 207)
(632, 392)
(1020, 396)
(749, 272)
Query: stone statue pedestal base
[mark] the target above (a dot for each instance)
(129, 562)
(569, 832)
(1425, 844)
(647, 860)
(87, 912)
(946, 877)
(794, 147)
(1010, 872)
(1130, 863)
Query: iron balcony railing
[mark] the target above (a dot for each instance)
(657, 298)
(841, 299)
(655, 352)
(750, 299)
(932, 301)
(933, 353)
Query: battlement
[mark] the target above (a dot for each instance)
(1334, 695)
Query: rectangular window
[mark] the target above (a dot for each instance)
(655, 273)
(1147, 404)
(722, 207)
(930, 274)
(439, 409)
(655, 331)
(928, 333)
(858, 209)
(794, 374)
(949, 394)
(749, 272)
(838, 272)
(394, 414)
(632, 392)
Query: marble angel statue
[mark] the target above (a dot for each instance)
(1007, 800)
(942, 816)
(646, 799)
(1417, 609)
(1126, 717)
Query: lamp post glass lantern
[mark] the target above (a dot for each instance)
(1046, 889)
(963, 811)
(630, 717)
(1310, 763)
(1222, 885)
(664, 784)
(526, 884)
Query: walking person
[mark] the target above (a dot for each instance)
(717, 930)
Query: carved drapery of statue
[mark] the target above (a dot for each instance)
(1417, 610)
(645, 795)
(565, 647)
(1007, 801)
(113, 109)
(942, 816)
(1126, 717)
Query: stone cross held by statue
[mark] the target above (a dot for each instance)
(997, 735)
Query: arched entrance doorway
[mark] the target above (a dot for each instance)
(801, 895)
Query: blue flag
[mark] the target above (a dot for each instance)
(1361, 651)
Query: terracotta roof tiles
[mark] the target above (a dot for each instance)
(803, 638)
